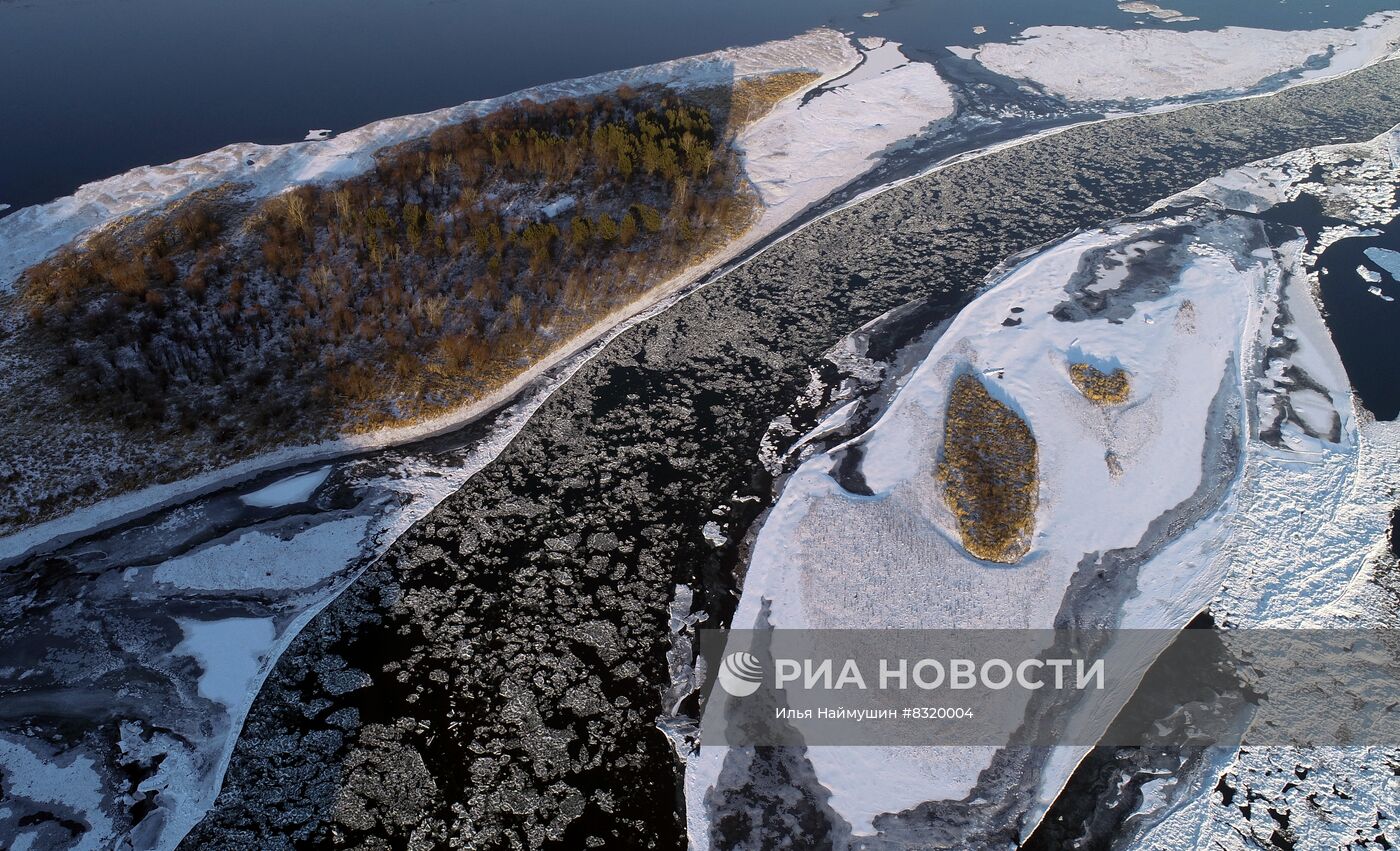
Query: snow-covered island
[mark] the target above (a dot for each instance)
(1230, 468)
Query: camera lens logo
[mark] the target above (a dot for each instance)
(740, 673)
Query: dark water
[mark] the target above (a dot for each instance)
(1365, 327)
(90, 88)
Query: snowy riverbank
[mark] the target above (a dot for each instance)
(868, 99)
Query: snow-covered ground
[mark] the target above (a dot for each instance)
(1089, 64)
(1225, 347)
(802, 155)
(1178, 347)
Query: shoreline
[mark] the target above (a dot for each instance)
(30, 234)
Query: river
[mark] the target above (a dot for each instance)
(94, 88)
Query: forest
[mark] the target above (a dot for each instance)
(989, 470)
(444, 271)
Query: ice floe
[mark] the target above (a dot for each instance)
(288, 491)
(259, 559)
(229, 653)
(1137, 7)
(1387, 260)
(714, 534)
